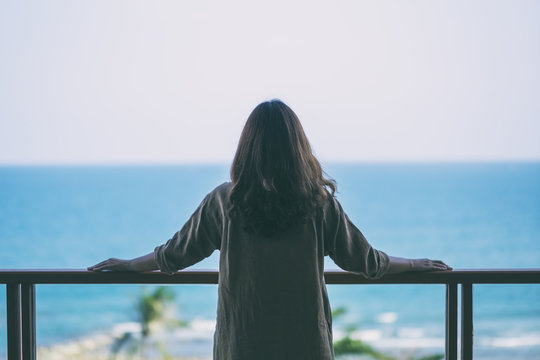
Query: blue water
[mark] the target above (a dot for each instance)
(470, 215)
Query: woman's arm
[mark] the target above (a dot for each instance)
(398, 265)
(141, 264)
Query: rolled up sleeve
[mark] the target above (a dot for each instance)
(197, 239)
(349, 248)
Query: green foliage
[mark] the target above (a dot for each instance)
(152, 306)
(349, 346)
(338, 312)
(152, 309)
(355, 346)
(429, 357)
(125, 340)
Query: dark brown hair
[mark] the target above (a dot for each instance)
(276, 179)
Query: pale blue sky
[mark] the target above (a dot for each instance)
(174, 81)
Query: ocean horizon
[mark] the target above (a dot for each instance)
(470, 215)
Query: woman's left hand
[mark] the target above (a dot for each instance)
(112, 264)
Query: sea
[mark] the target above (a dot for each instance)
(470, 215)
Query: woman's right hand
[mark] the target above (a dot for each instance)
(428, 265)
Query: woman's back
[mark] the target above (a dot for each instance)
(272, 297)
(273, 290)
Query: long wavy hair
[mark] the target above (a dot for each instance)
(276, 179)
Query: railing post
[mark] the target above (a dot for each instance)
(451, 347)
(14, 334)
(28, 321)
(466, 321)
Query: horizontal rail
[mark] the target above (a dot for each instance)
(76, 276)
(21, 298)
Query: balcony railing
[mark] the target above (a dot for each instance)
(21, 296)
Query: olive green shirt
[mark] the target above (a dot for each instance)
(272, 300)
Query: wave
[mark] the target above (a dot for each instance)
(195, 341)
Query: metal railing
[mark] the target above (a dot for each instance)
(21, 296)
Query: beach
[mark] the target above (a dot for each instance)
(195, 343)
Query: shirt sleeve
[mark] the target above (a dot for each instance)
(197, 239)
(348, 247)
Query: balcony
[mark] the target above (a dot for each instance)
(21, 299)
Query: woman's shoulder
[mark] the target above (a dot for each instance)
(220, 193)
(330, 209)
(330, 200)
(223, 189)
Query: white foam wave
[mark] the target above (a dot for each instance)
(409, 343)
(414, 333)
(387, 318)
(510, 342)
(367, 335)
(198, 329)
(127, 327)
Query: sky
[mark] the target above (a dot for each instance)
(151, 82)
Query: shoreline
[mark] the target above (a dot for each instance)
(194, 342)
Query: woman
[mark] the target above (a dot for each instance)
(273, 224)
